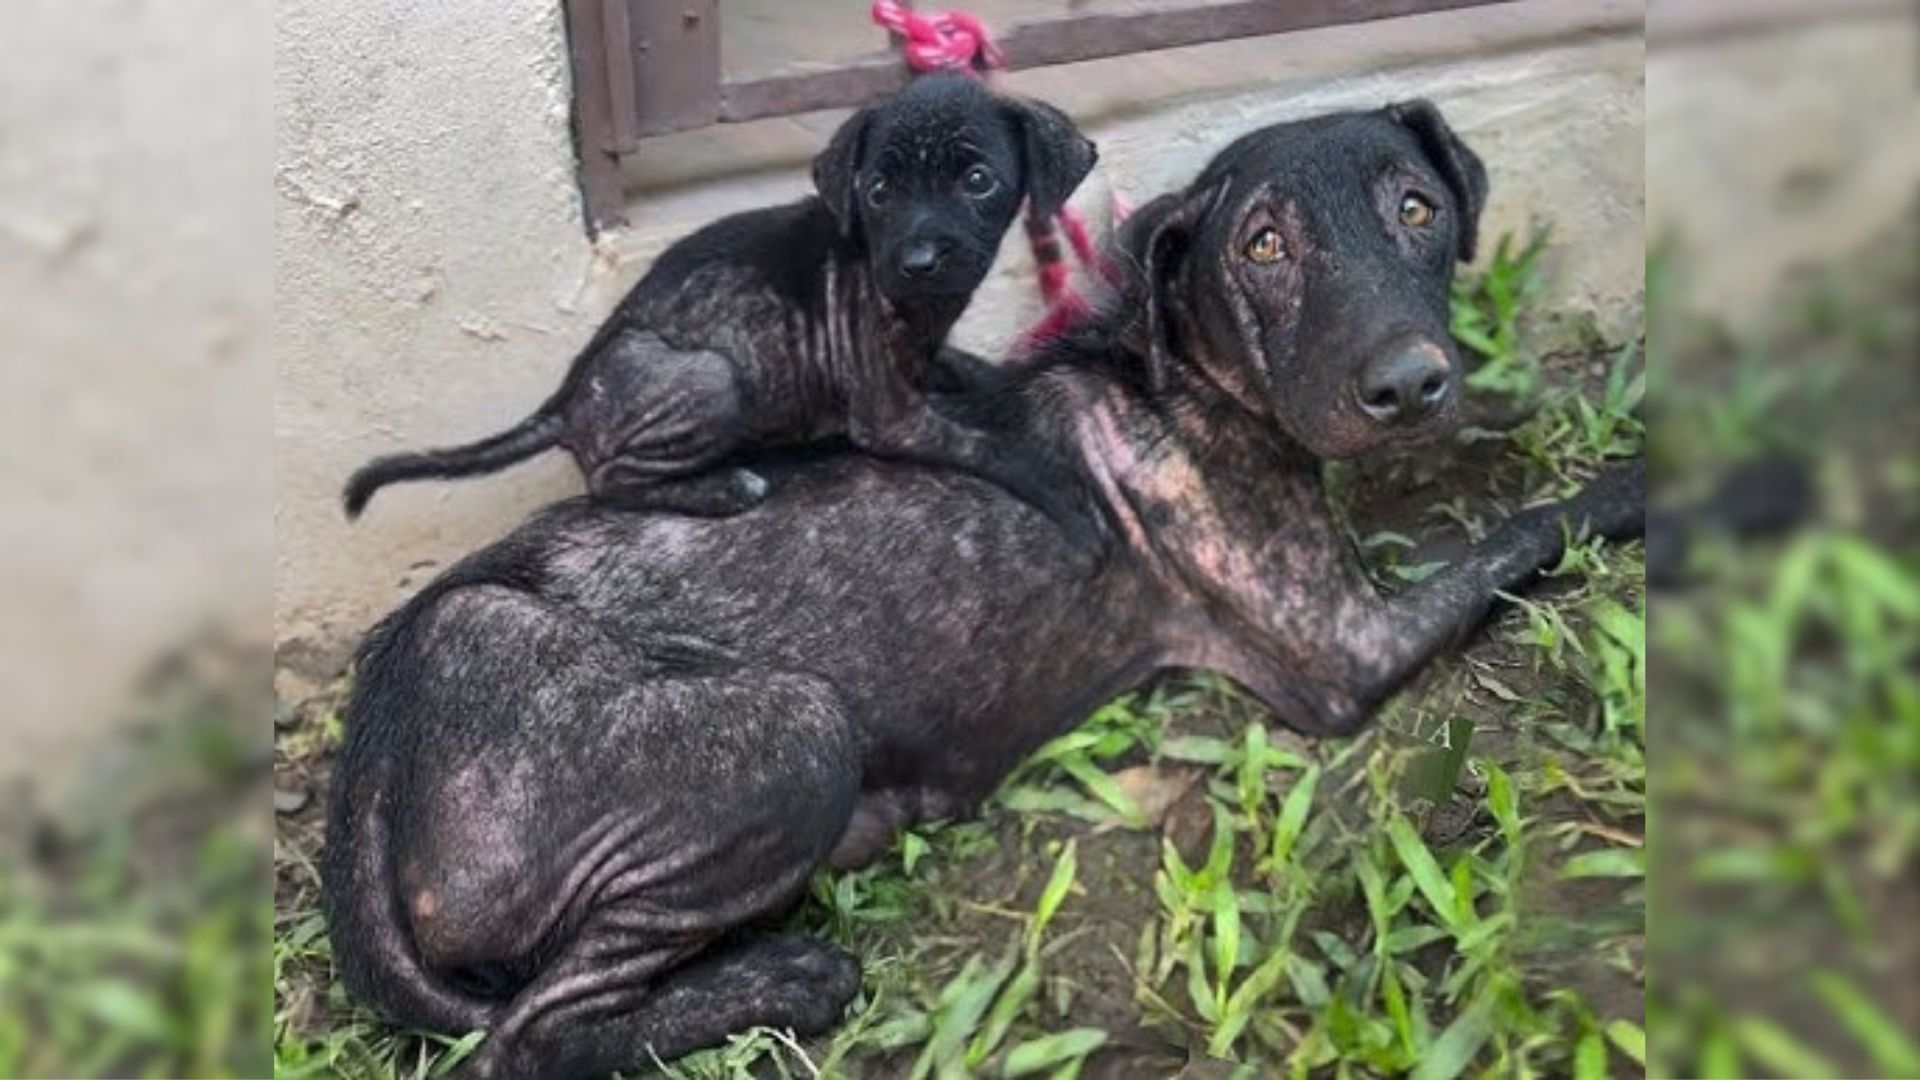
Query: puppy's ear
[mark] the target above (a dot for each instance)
(1459, 166)
(836, 167)
(1157, 240)
(1057, 157)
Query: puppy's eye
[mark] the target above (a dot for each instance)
(1265, 247)
(1415, 211)
(979, 182)
(877, 193)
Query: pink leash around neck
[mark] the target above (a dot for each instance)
(957, 41)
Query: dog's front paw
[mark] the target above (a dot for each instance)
(1614, 505)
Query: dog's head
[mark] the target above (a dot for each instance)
(1307, 272)
(930, 179)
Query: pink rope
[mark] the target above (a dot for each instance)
(957, 41)
(941, 40)
(1076, 228)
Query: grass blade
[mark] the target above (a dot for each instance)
(1053, 895)
(1049, 1050)
(1105, 788)
(962, 1003)
(1426, 873)
(1777, 1050)
(1246, 996)
(1590, 1057)
(1459, 1044)
(1006, 1009)
(1630, 1039)
(1226, 940)
(1293, 815)
(1607, 863)
(1891, 1049)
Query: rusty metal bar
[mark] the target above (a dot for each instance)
(649, 67)
(602, 193)
(1067, 40)
(673, 49)
(616, 28)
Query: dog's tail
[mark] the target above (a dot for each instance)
(373, 948)
(536, 433)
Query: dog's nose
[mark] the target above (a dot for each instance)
(920, 258)
(1404, 384)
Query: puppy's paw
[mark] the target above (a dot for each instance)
(721, 493)
(749, 487)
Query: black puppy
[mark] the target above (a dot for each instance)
(797, 322)
(582, 762)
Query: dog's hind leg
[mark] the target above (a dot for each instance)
(573, 828)
(605, 1009)
(650, 423)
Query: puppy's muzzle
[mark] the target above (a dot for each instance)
(922, 259)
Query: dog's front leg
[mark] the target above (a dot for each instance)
(1382, 642)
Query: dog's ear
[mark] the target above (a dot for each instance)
(1057, 157)
(837, 167)
(1459, 166)
(1156, 241)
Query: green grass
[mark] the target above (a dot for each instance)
(1179, 879)
(1489, 308)
(134, 938)
(1790, 855)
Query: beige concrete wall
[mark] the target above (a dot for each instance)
(134, 300)
(433, 281)
(1781, 151)
(431, 278)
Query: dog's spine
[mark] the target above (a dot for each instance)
(536, 433)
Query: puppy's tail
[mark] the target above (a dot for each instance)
(376, 953)
(536, 433)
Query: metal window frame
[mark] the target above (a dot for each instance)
(650, 67)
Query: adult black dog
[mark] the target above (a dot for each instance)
(796, 322)
(584, 759)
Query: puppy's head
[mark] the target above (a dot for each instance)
(930, 179)
(1307, 270)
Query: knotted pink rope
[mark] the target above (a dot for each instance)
(956, 41)
(941, 40)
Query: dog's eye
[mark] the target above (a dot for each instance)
(1415, 211)
(1265, 247)
(877, 192)
(979, 181)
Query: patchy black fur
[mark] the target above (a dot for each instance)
(580, 761)
(793, 323)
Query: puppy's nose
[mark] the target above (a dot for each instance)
(920, 258)
(1406, 383)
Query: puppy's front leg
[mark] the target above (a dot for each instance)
(957, 371)
(1006, 458)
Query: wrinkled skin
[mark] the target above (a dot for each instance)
(798, 322)
(583, 760)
